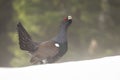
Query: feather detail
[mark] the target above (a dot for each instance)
(25, 40)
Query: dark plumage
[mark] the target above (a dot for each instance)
(48, 51)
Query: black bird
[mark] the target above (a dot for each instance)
(48, 51)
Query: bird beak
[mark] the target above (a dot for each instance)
(69, 17)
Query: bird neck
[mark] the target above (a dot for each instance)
(62, 35)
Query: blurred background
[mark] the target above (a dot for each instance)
(94, 33)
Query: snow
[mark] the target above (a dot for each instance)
(107, 68)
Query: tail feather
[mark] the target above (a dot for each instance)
(25, 40)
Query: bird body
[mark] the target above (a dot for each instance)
(48, 51)
(45, 51)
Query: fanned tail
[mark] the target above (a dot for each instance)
(25, 40)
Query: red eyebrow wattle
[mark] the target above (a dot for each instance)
(65, 19)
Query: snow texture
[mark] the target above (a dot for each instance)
(107, 68)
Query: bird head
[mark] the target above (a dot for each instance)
(68, 20)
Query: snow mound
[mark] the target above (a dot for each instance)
(107, 68)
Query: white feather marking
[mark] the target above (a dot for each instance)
(44, 61)
(57, 45)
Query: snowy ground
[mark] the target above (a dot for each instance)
(107, 68)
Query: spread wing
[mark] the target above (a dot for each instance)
(25, 40)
